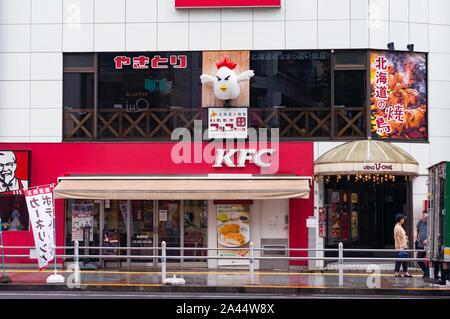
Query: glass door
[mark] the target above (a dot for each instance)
(142, 229)
(114, 230)
(195, 226)
(169, 226)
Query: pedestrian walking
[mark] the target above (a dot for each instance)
(421, 241)
(401, 243)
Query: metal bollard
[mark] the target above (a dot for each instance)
(341, 264)
(77, 264)
(252, 264)
(163, 262)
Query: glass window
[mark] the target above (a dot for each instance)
(195, 227)
(78, 60)
(142, 227)
(350, 103)
(291, 90)
(290, 78)
(78, 101)
(350, 58)
(78, 91)
(82, 215)
(350, 88)
(147, 95)
(14, 213)
(116, 220)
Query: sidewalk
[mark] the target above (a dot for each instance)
(228, 281)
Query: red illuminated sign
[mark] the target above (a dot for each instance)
(226, 3)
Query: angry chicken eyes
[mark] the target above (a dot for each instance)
(220, 79)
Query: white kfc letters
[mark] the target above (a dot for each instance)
(224, 156)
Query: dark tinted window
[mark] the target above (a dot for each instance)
(78, 91)
(350, 57)
(78, 60)
(14, 213)
(350, 88)
(290, 78)
(150, 87)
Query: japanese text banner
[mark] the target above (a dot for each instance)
(40, 209)
(398, 95)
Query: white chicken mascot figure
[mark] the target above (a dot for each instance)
(226, 82)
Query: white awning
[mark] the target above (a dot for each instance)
(182, 187)
(366, 157)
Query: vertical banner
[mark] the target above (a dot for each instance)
(40, 209)
(233, 231)
(398, 97)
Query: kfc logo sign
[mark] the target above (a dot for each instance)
(224, 156)
(180, 4)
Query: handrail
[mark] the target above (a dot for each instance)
(251, 255)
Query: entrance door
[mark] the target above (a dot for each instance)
(169, 227)
(115, 227)
(142, 230)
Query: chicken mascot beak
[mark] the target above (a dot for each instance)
(223, 88)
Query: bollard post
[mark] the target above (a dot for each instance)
(163, 262)
(77, 259)
(341, 264)
(252, 264)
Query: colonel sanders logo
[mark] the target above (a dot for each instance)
(9, 183)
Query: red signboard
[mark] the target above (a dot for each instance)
(226, 3)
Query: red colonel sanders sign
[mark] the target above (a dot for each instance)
(226, 3)
(14, 172)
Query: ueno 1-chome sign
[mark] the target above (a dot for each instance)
(225, 3)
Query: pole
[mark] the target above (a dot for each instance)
(252, 265)
(54, 279)
(341, 264)
(163, 262)
(3, 279)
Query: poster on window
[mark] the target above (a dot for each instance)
(322, 222)
(82, 217)
(227, 122)
(40, 209)
(14, 172)
(398, 96)
(233, 231)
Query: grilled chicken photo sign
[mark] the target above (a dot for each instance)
(226, 81)
(180, 4)
(398, 98)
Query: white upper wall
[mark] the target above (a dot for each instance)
(35, 33)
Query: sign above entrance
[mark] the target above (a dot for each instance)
(224, 156)
(181, 4)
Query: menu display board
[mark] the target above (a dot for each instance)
(233, 231)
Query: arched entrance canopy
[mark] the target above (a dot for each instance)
(364, 157)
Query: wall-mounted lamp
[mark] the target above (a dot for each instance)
(410, 47)
(390, 46)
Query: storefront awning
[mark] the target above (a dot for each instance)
(366, 157)
(175, 188)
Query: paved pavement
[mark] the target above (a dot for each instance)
(210, 281)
